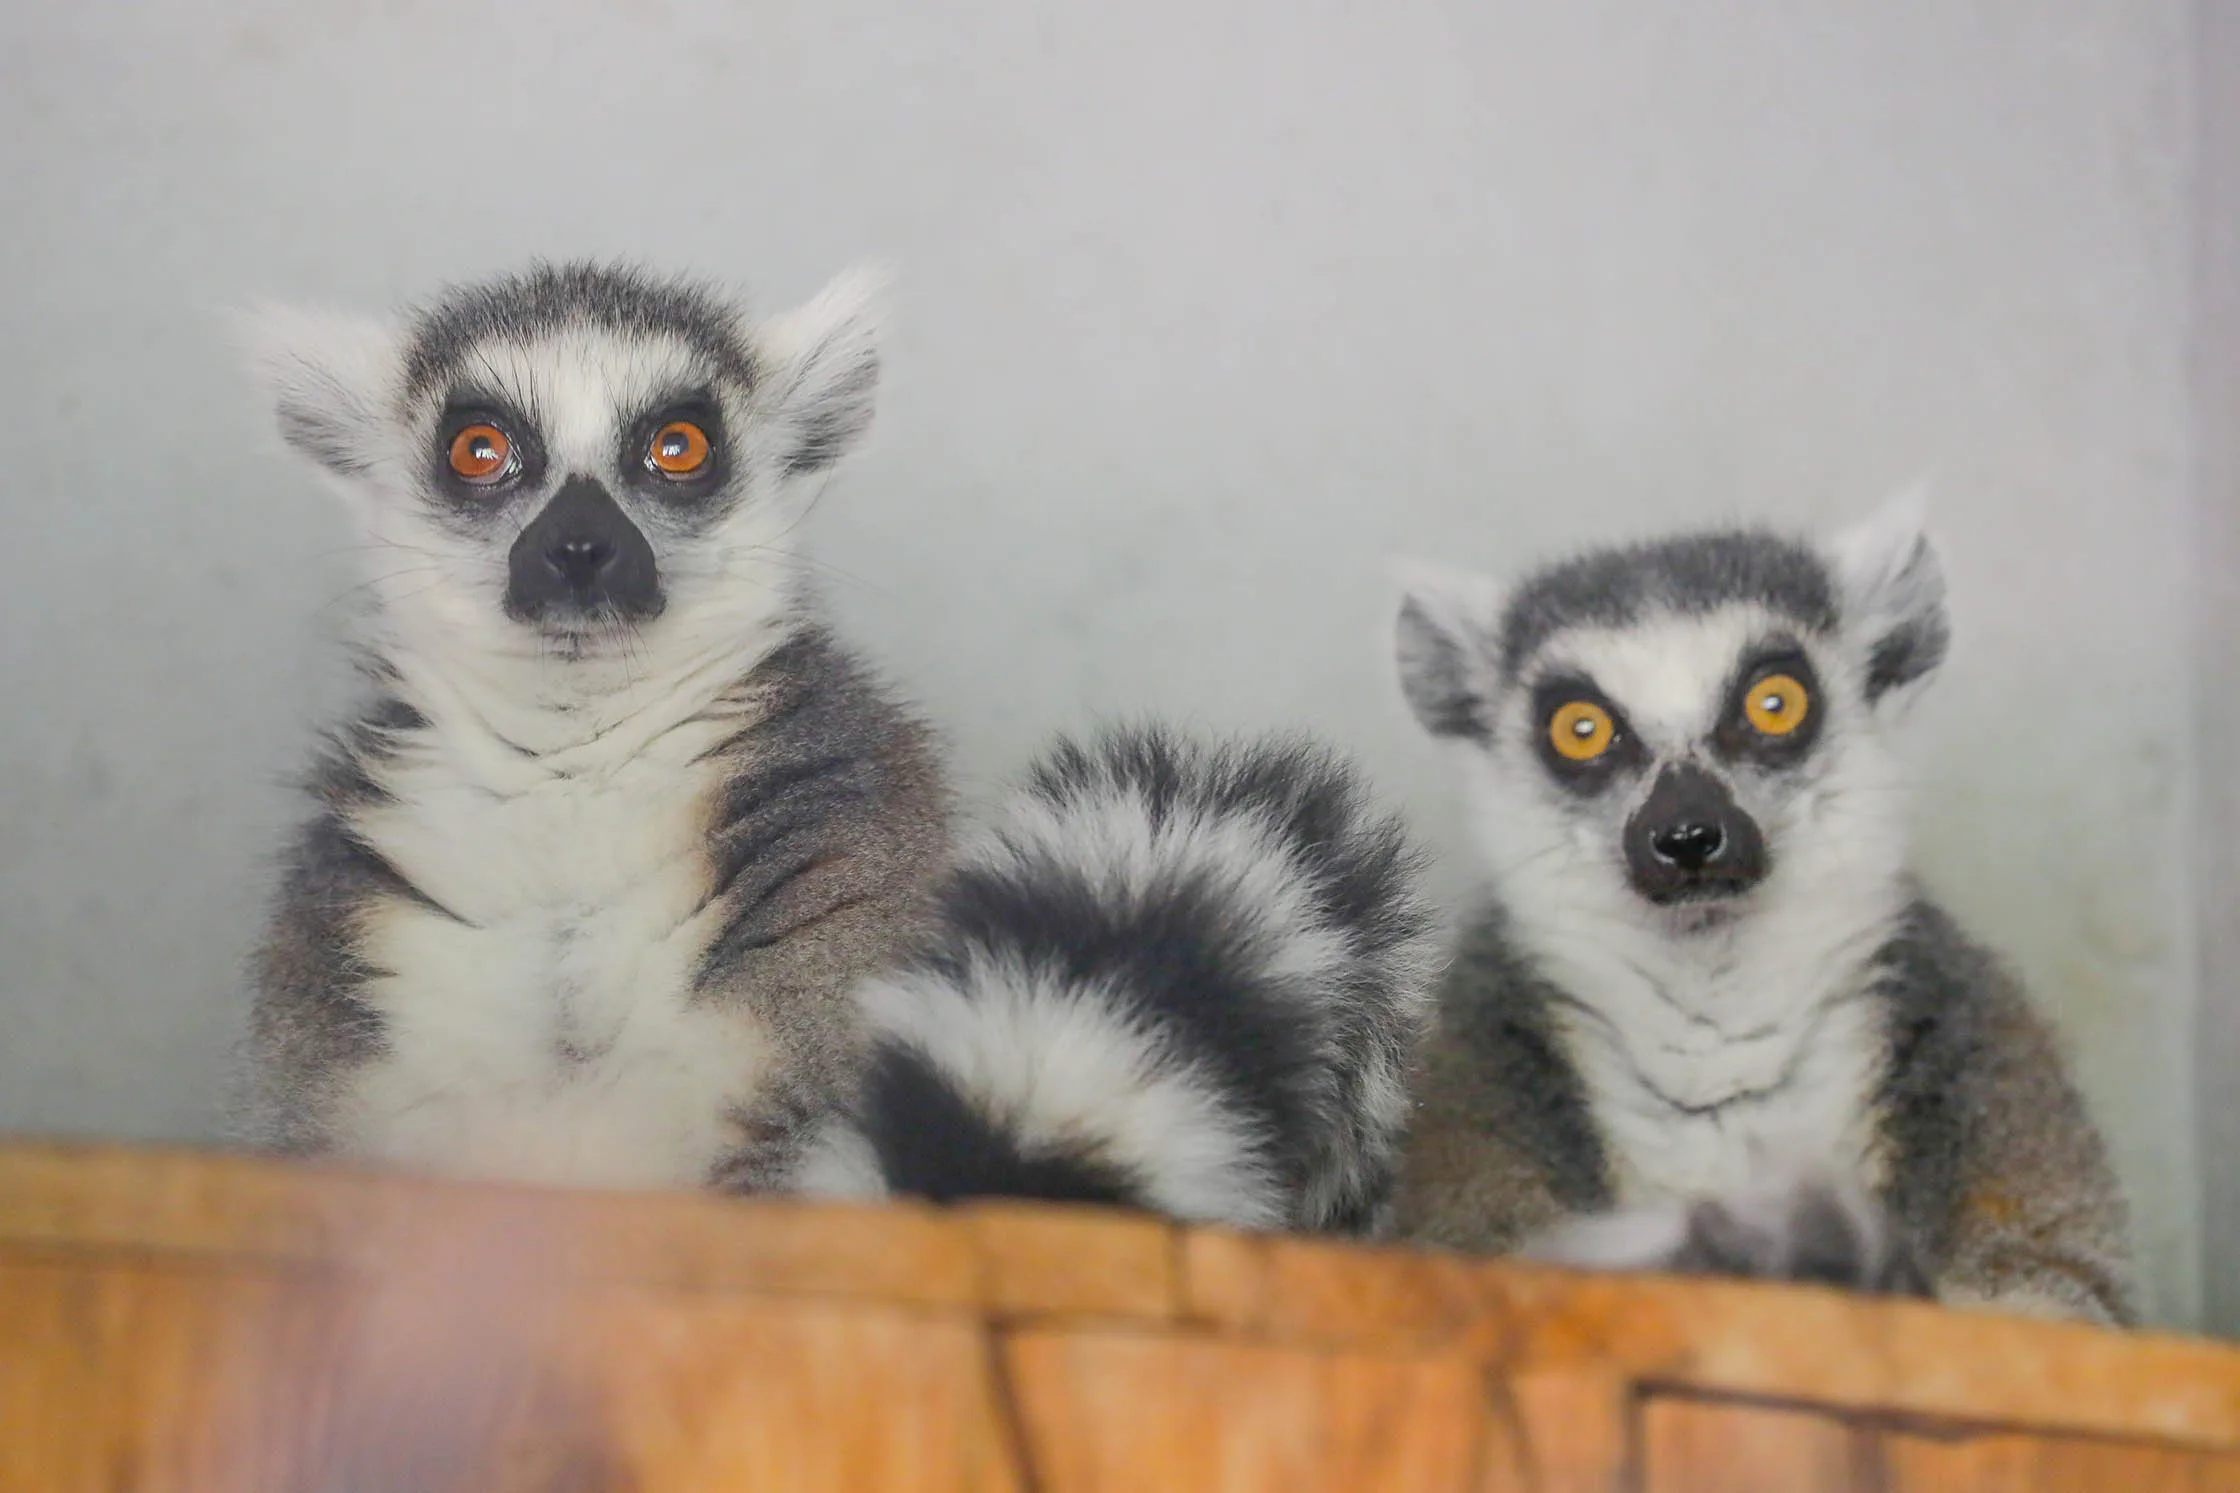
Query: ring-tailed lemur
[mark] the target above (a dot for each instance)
(591, 873)
(1190, 978)
(1704, 952)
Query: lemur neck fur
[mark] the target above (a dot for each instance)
(1707, 1043)
(515, 709)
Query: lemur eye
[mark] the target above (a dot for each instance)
(1777, 704)
(679, 449)
(482, 454)
(1581, 730)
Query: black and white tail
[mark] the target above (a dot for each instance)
(1175, 976)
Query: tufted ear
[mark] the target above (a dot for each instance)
(330, 378)
(823, 364)
(1893, 595)
(1443, 646)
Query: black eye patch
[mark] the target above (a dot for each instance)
(1559, 702)
(1775, 707)
(483, 451)
(678, 450)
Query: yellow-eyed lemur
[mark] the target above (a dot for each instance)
(1705, 1016)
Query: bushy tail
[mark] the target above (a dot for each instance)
(1184, 977)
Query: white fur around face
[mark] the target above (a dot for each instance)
(547, 1030)
(338, 384)
(439, 591)
(1704, 1043)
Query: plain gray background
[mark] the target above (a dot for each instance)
(1205, 309)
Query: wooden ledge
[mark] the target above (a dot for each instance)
(224, 1322)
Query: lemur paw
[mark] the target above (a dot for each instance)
(1796, 1229)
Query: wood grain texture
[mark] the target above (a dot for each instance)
(815, 1396)
(1722, 1337)
(1796, 1343)
(157, 1380)
(1311, 1290)
(174, 1322)
(163, 1378)
(236, 1207)
(1074, 1262)
(1705, 1446)
(2056, 1464)
(1120, 1411)
(1567, 1430)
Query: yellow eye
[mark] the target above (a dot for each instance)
(1777, 704)
(679, 449)
(481, 454)
(1581, 730)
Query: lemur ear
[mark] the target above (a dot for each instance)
(823, 365)
(1893, 594)
(330, 378)
(1444, 642)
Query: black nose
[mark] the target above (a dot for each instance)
(1690, 841)
(579, 561)
(582, 557)
(1691, 846)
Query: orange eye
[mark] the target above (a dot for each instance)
(481, 454)
(679, 449)
(1581, 730)
(1777, 704)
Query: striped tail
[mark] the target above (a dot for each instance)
(1175, 976)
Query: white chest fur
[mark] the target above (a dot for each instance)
(543, 1026)
(1709, 1055)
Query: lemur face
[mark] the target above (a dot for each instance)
(579, 460)
(1677, 726)
(1681, 737)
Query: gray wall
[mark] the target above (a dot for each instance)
(2216, 324)
(1207, 307)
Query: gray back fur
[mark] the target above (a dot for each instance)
(1997, 1172)
(308, 1025)
(824, 842)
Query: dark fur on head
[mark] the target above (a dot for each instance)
(547, 298)
(1692, 573)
